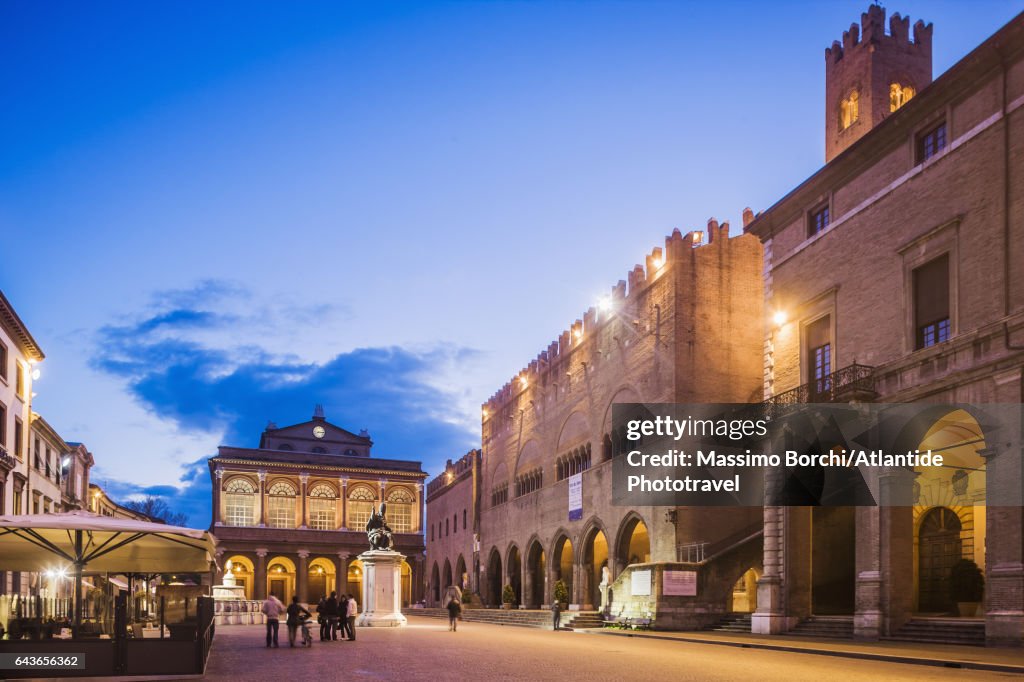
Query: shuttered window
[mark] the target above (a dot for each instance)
(931, 302)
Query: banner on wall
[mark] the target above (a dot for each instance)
(576, 497)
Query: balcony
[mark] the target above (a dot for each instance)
(851, 383)
(6, 460)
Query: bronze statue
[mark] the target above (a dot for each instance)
(378, 530)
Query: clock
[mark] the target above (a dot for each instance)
(319, 431)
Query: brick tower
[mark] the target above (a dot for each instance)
(872, 74)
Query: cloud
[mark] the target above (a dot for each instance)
(210, 368)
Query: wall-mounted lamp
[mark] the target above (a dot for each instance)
(780, 318)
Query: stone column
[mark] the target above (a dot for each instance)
(259, 588)
(527, 598)
(383, 488)
(302, 576)
(217, 485)
(344, 503)
(261, 514)
(417, 525)
(867, 618)
(303, 481)
(769, 619)
(341, 578)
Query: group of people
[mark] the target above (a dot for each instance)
(333, 614)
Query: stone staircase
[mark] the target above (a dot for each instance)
(581, 620)
(734, 622)
(942, 631)
(528, 618)
(835, 627)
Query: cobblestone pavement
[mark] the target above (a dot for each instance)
(425, 650)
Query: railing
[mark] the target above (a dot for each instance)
(6, 460)
(834, 387)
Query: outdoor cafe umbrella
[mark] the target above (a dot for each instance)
(98, 543)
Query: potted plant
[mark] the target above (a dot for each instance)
(508, 596)
(561, 595)
(966, 587)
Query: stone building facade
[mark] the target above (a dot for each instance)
(895, 269)
(678, 331)
(453, 518)
(290, 515)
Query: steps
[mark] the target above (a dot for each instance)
(528, 618)
(834, 627)
(734, 622)
(581, 620)
(965, 631)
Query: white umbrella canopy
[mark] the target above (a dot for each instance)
(98, 543)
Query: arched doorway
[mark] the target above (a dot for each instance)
(406, 571)
(435, 585)
(494, 578)
(595, 558)
(241, 569)
(515, 575)
(562, 564)
(833, 560)
(354, 581)
(537, 570)
(939, 547)
(744, 593)
(461, 577)
(447, 575)
(281, 578)
(949, 507)
(321, 578)
(634, 542)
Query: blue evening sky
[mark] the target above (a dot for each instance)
(218, 214)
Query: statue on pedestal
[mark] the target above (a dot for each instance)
(377, 529)
(603, 587)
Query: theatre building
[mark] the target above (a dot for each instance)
(893, 275)
(536, 507)
(291, 514)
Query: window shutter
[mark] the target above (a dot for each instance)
(931, 292)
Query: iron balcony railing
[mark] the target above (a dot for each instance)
(6, 460)
(843, 384)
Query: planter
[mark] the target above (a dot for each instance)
(968, 609)
(506, 606)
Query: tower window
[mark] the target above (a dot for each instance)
(849, 110)
(899, 95)
(931, 142)
(817, 220)
(931, 303)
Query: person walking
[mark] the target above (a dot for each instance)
(454, 609)
(272, 609)
(556, 616)
(343, 613)
(332, 613)
(297, 615)
(353, 609)
(321, 617)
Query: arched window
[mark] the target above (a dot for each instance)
(322, 504)
(899, 95)
(849, 110)
(360, 505)
(239, 502)
(399, 515)
(281, 505)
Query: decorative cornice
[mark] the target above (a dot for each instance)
(18, 331)
(220, 460)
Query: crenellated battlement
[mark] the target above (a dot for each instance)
(453, 471)
(871, 31)
(678, 247)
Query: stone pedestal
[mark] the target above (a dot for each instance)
(382, 589)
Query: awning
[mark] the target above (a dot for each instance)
(36, 542)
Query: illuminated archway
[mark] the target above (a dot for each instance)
(354, 580)
(242, 569)
(321, 580)
(594, 559)
(281, 578)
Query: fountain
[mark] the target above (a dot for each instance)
(230, 605)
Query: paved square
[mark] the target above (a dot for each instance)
(425, 650)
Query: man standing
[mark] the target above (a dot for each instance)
(332, 613)
(272, 609)
(343, 612)
(454, 609)
(556, 615)
(353, 609)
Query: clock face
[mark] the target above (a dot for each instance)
(319, 431)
